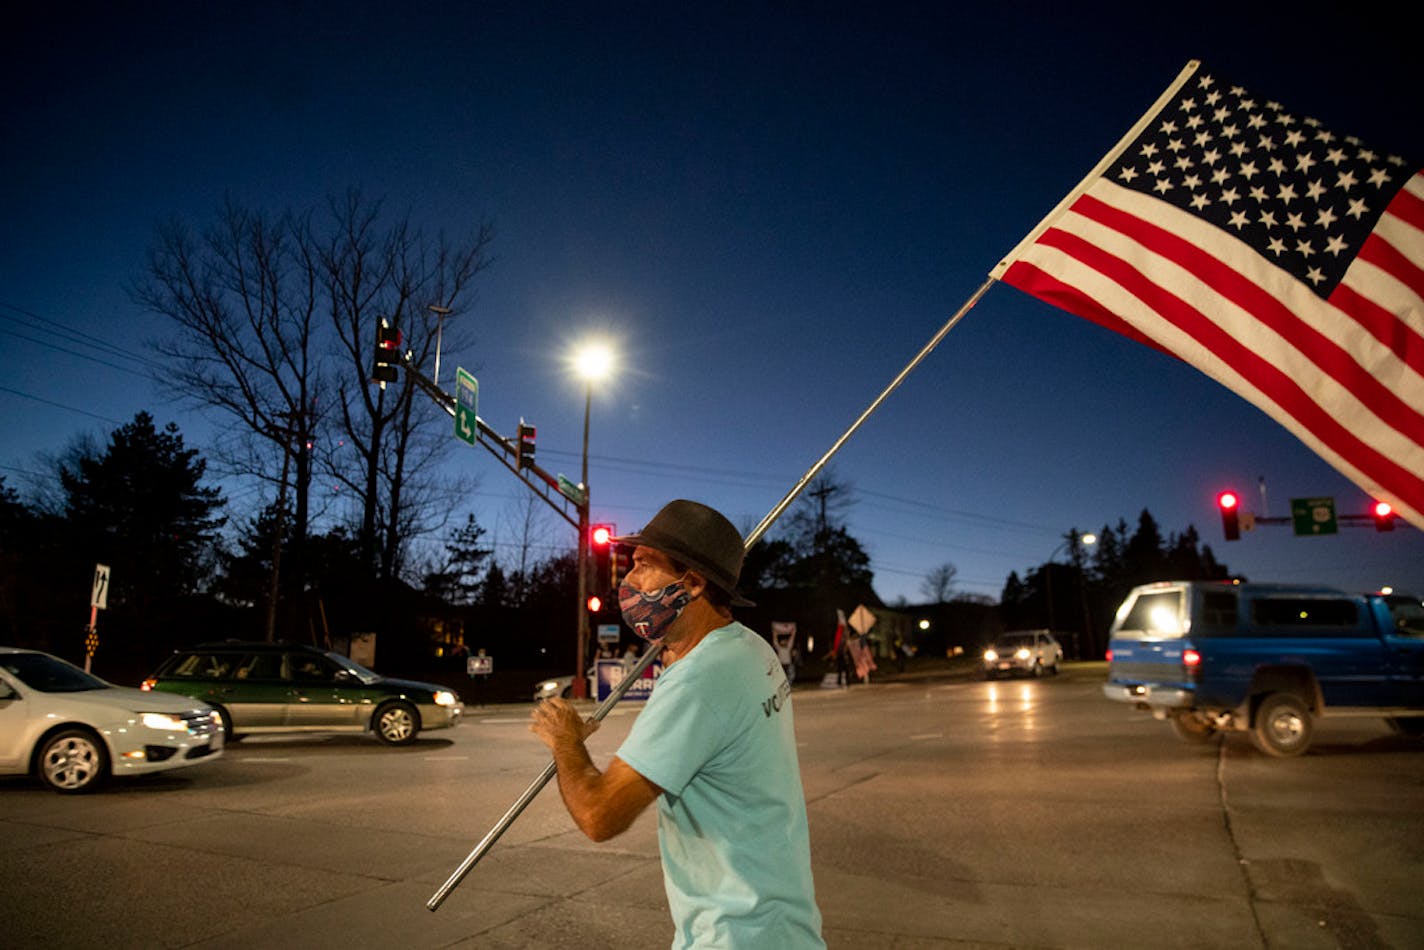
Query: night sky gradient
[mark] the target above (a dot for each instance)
(770, 207)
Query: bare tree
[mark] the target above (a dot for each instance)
(243, 301)
(527, 524)
(938, 584)
(376, 271)
(274, 325)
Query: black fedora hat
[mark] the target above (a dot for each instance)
(700, 537)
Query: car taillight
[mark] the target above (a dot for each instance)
(148, 684)
(1109, 655)
(1191, 659)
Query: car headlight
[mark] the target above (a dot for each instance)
(165, 721)
(1022, 654)
(446, 698)
(991, 655)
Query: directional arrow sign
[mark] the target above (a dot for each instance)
(467, 401)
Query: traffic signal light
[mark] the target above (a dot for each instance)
(600, 546)
(524, 445)
(595, 603)
(622, 564)
(1383, 512)
(388, 342)
(1230, 514)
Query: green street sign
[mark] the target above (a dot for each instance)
(571, 491)
(467, 401)
(1313, 516)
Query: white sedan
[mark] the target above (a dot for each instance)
(73, 730)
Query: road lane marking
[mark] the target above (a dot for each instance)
(927, 735)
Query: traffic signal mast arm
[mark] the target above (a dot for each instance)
(507, 451)
(1234, 521)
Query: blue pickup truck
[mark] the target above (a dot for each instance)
(1215, 656)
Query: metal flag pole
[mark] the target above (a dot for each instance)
(654, 650)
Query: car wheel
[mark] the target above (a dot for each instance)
(226, 717)
(396, 723)
(1192, 728)
(568, 693)
(1037, 669)
(73, 761)
(1283, 725)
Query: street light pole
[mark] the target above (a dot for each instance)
(1086, 539)
(580, 685)
(441, 313)
(592, 363)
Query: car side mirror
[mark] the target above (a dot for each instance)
(345, 676)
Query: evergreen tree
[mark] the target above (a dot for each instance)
(495, 590)
(246, 578)
(457, 579)
(140, 507)
(16, 550)
(1144, 555)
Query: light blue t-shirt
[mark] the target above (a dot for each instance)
(717, 737)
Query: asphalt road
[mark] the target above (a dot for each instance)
(944, 813)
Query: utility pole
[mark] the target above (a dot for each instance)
(274, 589)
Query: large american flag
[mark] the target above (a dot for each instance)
(1281, 259)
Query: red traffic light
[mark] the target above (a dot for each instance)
(595, 603)
(1383, 513)
(1228, 502)
(601, 534)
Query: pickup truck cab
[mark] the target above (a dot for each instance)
(1214, 656)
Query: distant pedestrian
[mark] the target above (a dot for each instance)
(839, 655)
(783, 637)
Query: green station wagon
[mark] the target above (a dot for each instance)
(289, 687)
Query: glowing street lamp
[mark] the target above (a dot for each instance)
(592, 363)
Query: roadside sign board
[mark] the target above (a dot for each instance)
(99, 596)
(479, 665)
(609, 673)
(862, 620)
(467, 403)
(608, 633)
(1313, 516)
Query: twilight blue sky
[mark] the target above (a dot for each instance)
(770, 207)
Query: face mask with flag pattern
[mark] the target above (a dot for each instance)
(650, 613)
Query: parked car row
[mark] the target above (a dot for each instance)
(73, 731)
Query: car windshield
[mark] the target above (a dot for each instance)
(351, 666)
(49, 674)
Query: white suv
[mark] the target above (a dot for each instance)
(1032, 652)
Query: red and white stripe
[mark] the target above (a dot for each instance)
(1345, 375)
